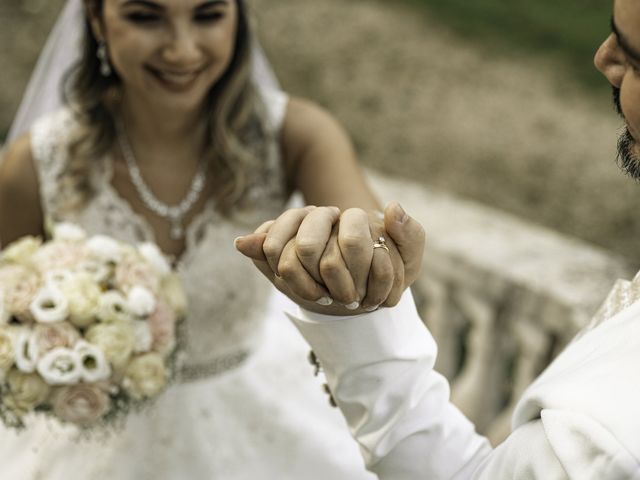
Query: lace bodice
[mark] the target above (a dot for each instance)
(226, 293)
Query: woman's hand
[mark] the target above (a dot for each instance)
(335, 263)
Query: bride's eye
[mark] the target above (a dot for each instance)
(209, 17)
(143, 18)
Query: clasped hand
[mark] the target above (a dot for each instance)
(325, 260)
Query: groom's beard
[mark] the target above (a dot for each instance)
(628, 161)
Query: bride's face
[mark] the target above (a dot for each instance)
(168, 52)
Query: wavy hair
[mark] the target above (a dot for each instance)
(238, 136)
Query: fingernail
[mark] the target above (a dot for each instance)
(352, 305)
(324, 301)
(371, 308)
(401, 215)
(236, 240)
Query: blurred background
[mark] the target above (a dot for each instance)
(495, 101)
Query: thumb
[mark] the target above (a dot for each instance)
(251, 245)
(409, 237)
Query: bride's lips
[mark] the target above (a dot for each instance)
(176, 80)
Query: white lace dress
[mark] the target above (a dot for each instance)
(247, 405)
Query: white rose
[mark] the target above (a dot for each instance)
(57, 277)
(98, 271)
(174, 293)
(104, 248)
(145, 376)
(116, 340)
(143, 336)
(154, 257)
(83, 295)
(60, 366)
(141, 301)
(113, 307)
(50, 305)
(68, 232)
(93, 364)
(21, 250)
(26, 351)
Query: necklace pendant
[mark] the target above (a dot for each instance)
(177, 232)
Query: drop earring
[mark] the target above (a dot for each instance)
(101, 53)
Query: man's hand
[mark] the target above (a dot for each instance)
(318, 257)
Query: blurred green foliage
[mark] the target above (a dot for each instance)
(569, 31)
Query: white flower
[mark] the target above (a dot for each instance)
(154, 257)
(141, 301)
(21, 250)
(93, 364)
(143, 337)
(99, 271)
(60, 366)
(104, 248)
(57, 277)
(83, 296)
(113, 307)
(68, 232)
(50, 305)
(116, 340)
(145, 376)
(25, 351)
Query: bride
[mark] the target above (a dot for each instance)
(170, 134)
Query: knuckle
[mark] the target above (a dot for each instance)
(309, 249)
(329, 268)
(271, 248)
(287, 269)
(352, 243)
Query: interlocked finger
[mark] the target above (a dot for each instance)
(313, 234)
(335, 274)
(294, 274)
(354, 239)
(280, 232)
(381, 277)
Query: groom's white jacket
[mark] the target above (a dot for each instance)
(580, 419)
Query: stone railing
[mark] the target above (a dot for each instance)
(501, 296)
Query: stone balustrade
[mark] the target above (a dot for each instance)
(501, 296)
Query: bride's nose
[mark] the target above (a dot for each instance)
(181, 46)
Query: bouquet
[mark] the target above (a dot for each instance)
(88, 327)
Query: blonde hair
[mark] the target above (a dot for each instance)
(235, 114)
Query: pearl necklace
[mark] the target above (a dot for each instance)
(174, 213)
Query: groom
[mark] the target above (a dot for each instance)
(580, 419)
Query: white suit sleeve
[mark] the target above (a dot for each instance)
(379, 367)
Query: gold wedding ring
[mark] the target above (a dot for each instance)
(381, 243)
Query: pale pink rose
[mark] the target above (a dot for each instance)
(57, 255)
(162, 323)
(47, 336)
(132, 271)
(82, 404)
(20, 286)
